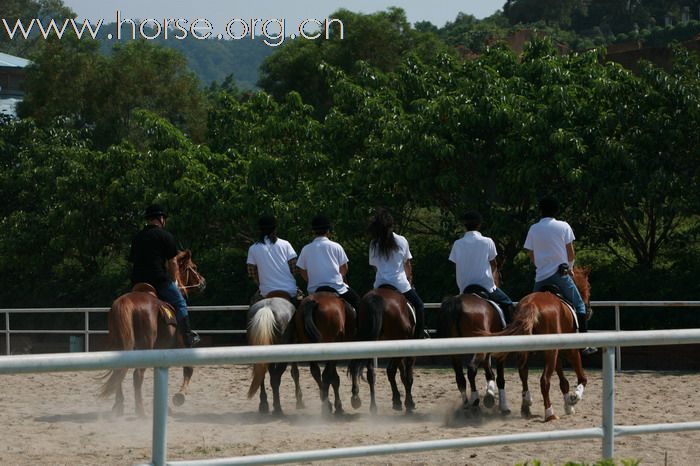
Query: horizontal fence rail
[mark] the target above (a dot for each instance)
(161, 360)
(86, 331)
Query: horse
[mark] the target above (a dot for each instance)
(469, 315)
(324, 317)
(385, 314)
(543, 312)
(139, 320)
(268, 324)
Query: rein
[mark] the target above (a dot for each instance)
(201, 283)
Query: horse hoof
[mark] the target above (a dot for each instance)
(301, 405)
(489, 401)
(356, 402)
(525, 412)
(263, 409)
(118, 411)
(553, 417)
(278, 412)
(505, 412)
(569, 409)
(397, 406)
(373, 409)
(410, 407)
(179, 399)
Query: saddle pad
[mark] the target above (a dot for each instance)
(413, 312)
(168, 314)
(498, 309)
(573, 313)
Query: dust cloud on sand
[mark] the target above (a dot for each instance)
(58, 419)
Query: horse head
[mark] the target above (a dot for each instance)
(584, 287)
(189, 277)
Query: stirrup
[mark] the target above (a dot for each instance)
(192, 339)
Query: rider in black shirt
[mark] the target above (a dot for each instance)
(153, 253)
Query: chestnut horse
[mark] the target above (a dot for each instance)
(385, 315)
(139, 320)
(469, 315)
(324, 317)
(541, 313)
(268, 324)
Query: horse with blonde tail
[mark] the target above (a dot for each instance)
(268, 324)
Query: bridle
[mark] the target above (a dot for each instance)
(201, 282)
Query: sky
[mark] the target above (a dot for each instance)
(222, 11)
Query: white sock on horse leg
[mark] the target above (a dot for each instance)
(579, 391)
(502, 401)
(491, 387)
(549, 412)
(527, 398)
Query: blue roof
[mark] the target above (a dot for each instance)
(12, 61)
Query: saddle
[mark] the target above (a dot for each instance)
(165, 311)
(478, 290)
(327, 289)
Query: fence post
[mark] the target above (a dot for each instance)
(618, 352)
(160, 416)
(608, 403)
(7, 333)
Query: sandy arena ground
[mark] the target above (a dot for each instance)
(57, 419)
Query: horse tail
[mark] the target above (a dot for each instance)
(262, 329)
(121, 338)
(369, 327)
(525, 319)
(450, 312)
(310, 328)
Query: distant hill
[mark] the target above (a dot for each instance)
(212, 60)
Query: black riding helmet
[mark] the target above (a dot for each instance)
(154, 211)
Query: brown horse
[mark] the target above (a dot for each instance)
(469, 315)
(385, 315)
(542, 313)
(139, 320)
(324, 317)
(268, 324)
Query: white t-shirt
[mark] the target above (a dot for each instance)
(272, 261)
(547, 239)
(391, 270)
(322, 259)
(472, 255)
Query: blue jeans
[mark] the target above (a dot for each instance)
(568, 290)
(171, 293)
(501, 298)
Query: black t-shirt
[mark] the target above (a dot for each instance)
(150, 249)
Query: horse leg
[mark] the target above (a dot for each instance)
(459, 377)
(316, 374)
(501, 384)
(335, 382)
(179, 397)
(297, 387)
(138, 396)
(118, 407)
(326, 407)
(395, 394)
(550, 364)
(263, 406)
(526, 402)
(406, 369)
(355, 398)
(490, 396)
(276, 371)
(371, 379)
(473, 402)
(574, 357)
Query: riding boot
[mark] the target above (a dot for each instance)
(189, 336)
(583, 328)
(508, 310)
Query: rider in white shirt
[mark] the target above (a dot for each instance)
(390, 256)
(271, 261)
(474, 256)
(550, 245)
(323, 263)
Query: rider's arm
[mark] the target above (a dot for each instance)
(494, 267)
(293, 265)
(173, 269)
(253, 273)
(304, 274)
(343, 271)
(409, 271)
(570, 255)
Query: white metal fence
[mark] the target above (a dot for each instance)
(86, 331)
(161, 360)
